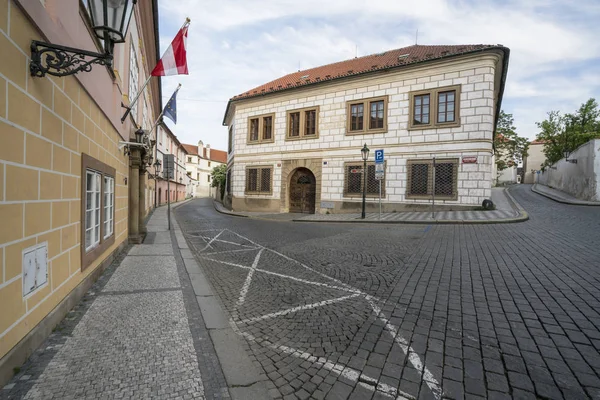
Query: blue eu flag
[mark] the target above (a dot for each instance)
(170, 110)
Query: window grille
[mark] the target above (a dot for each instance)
(420, 175)
(259, 180)
(354, 180)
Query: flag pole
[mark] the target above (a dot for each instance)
(137, 96)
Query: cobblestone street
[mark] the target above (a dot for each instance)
(412, 311)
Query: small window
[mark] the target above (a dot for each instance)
(376, 118)
(97, 208)
(354, 180)
(92, 209)
(254, 129)
(421, 181)
(267, 129)
(376, 112)
(357, 111)
(294, 130)
(310, 127)
(230, 143)
(435, 108)
(259, 180)
(261, 129)
(189, 159)
(446, 106)
(421, 110)
(303, 124)
(208, 178)
(209, 163)
(109, 205)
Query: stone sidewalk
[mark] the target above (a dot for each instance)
(560, 196)
(138, 333)
(507, 211)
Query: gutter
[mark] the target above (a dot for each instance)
(505, 50)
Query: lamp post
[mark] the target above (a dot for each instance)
(110, 21)
(365, 156)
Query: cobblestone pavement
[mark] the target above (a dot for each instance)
(130, 337)
(366, 311)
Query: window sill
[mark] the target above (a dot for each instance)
(292, 139)
(369, 196)
(261, 142)
(432, 126)
(367, 132)
(428, 197)
(258, 193)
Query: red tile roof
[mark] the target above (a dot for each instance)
(374, 62)
(537, 141)
(215, 155)
(191, 149)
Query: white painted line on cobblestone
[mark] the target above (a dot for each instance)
(347, 372)
(413, 357)
(227, 251)
(299, 308)
(245, 238)
(212, 240)
(248, 281)
(286, 276)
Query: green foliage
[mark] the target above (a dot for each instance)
(569, 131)
(509, 147)
(219, 176)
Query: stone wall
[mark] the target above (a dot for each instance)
(582, 179)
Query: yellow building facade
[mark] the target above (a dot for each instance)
(59, 151)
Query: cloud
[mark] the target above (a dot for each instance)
(234, 46)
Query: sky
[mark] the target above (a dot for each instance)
(236, 45)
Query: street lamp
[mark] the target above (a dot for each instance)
(365, 156)
(110, 21)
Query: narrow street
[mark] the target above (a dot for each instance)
(412, 311)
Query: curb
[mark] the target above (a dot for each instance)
(244, 379)
(563, 201)
(522, 217)
(228, 212)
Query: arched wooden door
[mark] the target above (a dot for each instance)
(303, 191)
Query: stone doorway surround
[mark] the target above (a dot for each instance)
(288, 167)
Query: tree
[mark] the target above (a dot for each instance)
(509, 147)
(567, 132)
(219, 176)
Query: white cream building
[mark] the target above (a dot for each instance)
(199, 163)
(295, 142)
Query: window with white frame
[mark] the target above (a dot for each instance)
(109, 205)
(92, 209)
(97, 209)
(133, 80)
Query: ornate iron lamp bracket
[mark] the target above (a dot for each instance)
(53, 59)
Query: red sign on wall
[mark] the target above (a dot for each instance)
(469, 160)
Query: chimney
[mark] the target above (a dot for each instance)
(200, 148)
(208, 151)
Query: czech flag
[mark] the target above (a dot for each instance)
(174, 61)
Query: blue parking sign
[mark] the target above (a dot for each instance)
(379, 156)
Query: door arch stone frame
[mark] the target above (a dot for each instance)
(288, 167)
